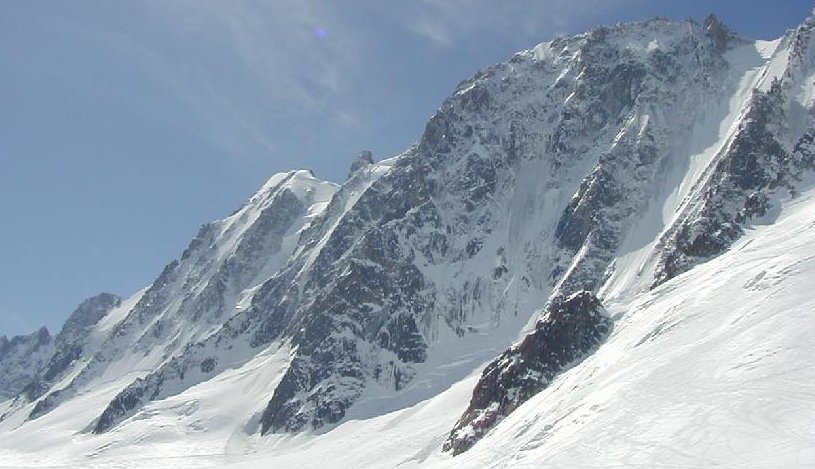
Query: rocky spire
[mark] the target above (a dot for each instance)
(364, 159)
(717, 31)
(89, 312)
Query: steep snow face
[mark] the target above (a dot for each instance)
(712, 368)
(751, 168)
(195, 295)
(768, 153)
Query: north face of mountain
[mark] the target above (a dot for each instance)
(757, 164)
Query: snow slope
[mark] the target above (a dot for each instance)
(712, 368)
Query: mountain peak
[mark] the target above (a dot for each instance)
(20, 359)
(364, 159)
(717, 31)
(89, 313)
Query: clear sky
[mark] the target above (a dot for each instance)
(126, 125)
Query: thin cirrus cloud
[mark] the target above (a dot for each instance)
(256, 75)
(239, 74)
(258, 78)
(445, 22)
(432, 28)
(246, 68)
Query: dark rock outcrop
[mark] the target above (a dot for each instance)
(365, 159)
(569, 330)
(718, 32)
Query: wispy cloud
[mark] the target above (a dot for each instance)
(433, 29)
(242, 68)
(278, 61)
(446, 22)
(281, 62)
(252, 75)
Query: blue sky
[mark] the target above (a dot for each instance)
(126, 125)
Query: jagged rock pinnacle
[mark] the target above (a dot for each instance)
(364, 159)
(717, 31)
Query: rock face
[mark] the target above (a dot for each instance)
(31, 364)
(568, 331)
(485, 186)
(757, 167)
(250, 245)
(718, 32)
(20, 359)
(365, 158)
(69, 347)
(745, 176)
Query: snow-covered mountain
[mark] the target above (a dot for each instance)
(575, 233)
(20, 358)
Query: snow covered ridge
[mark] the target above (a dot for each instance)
(20, 358)
(548, 197)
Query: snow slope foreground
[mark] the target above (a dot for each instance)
(712, 368)
(631, 207)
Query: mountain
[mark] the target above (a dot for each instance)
(575, 232)
(31, 364)
(20, 358)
